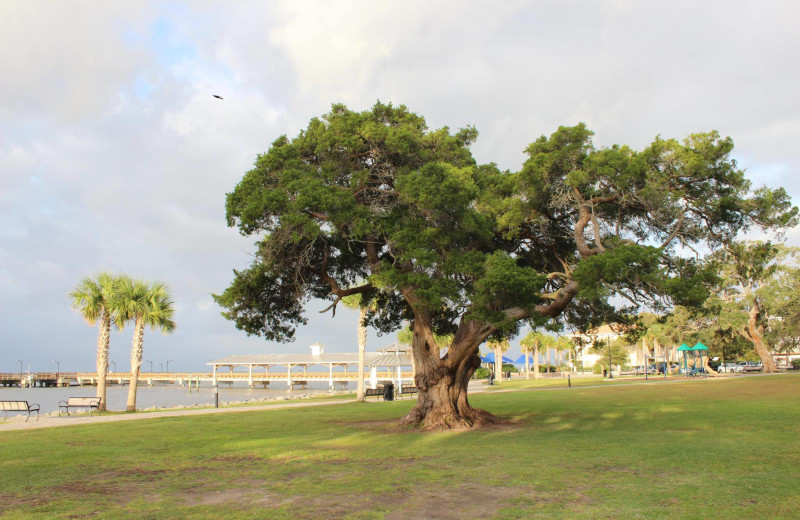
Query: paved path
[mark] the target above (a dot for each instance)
(48, 421)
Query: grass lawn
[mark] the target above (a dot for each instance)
(702, 449)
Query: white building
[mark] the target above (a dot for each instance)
(602, 335)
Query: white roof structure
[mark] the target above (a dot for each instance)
(389, 357)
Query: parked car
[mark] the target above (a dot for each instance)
(726, 368)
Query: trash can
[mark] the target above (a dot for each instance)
(388, 392)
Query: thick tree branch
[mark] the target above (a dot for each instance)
(319, 216)
(675, 232)
(597, 241)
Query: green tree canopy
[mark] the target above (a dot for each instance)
(466, 249)
(756, 283)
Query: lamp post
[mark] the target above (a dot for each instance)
(168, 361)
(114, 364)
(161, 365)
(610, 374)
(20, 368)
(151, 366)
(58, 367)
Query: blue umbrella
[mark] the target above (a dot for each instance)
(489, 358)
(521, 360)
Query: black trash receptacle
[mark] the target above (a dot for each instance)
(388, 392)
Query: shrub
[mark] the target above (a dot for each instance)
(481, 373)
(796, 364)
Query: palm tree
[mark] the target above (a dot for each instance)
(355, 301)
(532, 342)
(96, 301)
(499, 347)
(563, 346)
(147, 305)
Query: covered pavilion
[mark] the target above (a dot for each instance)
(341, 367)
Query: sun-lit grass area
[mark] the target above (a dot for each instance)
(560, 381)
(705, 449)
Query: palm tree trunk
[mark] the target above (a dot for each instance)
(362, 347)
(103, 340)
(498, 364)
(527, 365)
(536, 374)
(136, 363)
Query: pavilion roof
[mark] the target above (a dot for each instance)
(372, 359)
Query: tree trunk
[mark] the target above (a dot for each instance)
(527, 365)
(754, 332)
(136, 363)
(362, 347)
(103, 340)
(536, 374)
(442, 381)
(498, 364)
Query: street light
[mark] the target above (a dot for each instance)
(20, 367)
(168, 361)
(151, 366)
(114, 364)
(58, 367)
(161, 365)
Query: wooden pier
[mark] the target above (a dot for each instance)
(27, 380)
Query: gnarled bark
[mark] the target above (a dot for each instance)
(442, 381)
(754, 333)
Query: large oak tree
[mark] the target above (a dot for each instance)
(757, 282)
(469, 250)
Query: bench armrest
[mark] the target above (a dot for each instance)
(63, 403)
(33, 407)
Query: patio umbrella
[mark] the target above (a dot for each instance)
(521, 360)
(489, 358)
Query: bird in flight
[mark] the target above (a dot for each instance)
(216, 96)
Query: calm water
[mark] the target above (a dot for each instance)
(161, 396)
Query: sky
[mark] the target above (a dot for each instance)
(115, 156)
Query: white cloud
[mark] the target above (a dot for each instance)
(115, 156)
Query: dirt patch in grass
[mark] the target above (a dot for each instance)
(10, 502)
(80, 488)
(237, 458)
(392, 426)
(432, 502)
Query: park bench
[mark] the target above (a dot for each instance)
(80, 402)
(370, 392)
(19, 406)
(408, 390)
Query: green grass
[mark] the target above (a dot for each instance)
(701, 449)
